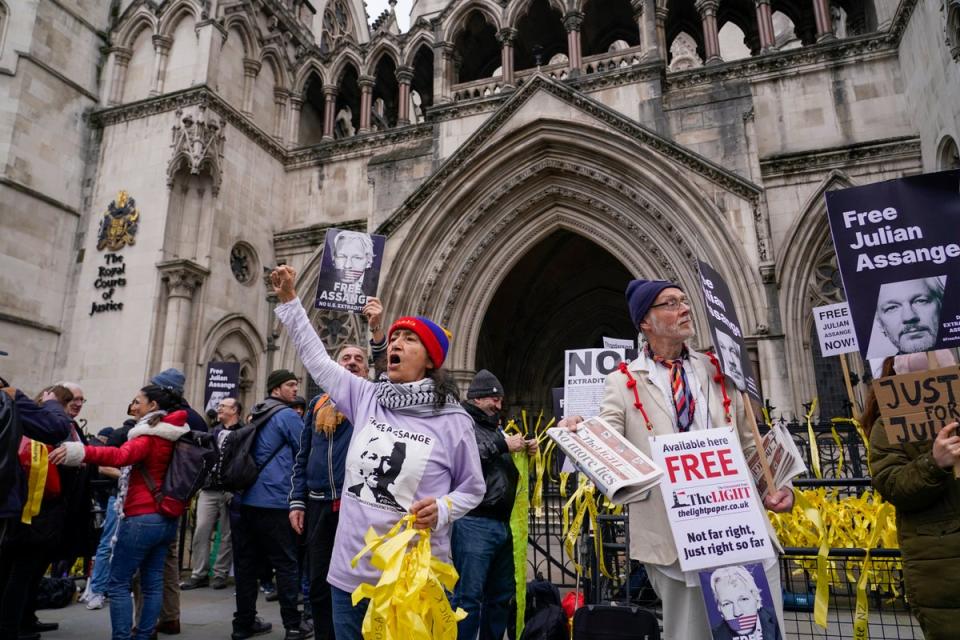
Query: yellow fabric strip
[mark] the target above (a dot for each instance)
(812, 437)
(36, 481)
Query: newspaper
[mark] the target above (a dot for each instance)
(786, 462)
(617, 468)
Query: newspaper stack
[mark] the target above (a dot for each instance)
(786, 462)
(618, 469)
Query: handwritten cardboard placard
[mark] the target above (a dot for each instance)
(915, 406)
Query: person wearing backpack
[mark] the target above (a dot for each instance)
(143, 533)
(263, 528)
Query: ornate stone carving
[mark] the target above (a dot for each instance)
(182, 277)
(951, 26)
(683, 52)
(243, 263)
(197, 145)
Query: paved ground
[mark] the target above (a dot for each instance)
(204, 613)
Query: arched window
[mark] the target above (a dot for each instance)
(825, 287)
(687, 51)
(540, 36)
(4, 18)
(605, 22)
(948, 156)
(853, 17)
(953, 28)
(385, 92)
(311, 114)
(421, 87)
(346, 119)
(477, 49)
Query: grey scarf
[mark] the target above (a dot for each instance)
(415, 398)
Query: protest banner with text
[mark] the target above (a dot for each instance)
(223, 381)
(727, 332)
(712, 507)
(898, 249)
(584, 373)
(835, 329)
(915, 406)
(349, 270)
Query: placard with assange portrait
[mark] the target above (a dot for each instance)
(727, 332)
(349, 269)
(898, 249)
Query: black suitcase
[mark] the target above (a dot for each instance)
(615, 622)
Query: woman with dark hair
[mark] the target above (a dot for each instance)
(918, 479)
(143, 533)
(412, 451)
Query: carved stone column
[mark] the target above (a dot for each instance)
(507, 37)
(404, 78)
(293, 133)
(210, 38)
(821, 12)
(251, 68)
(181, 279)
(662, 13)
(443, 72)
(121, 60)
(161, 47)
(329, 106)
(366, 102)
(711, 40)
(645, 12)
(768, 41)
(572, 23)
(280, 98)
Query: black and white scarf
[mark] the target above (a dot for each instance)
(415, 398)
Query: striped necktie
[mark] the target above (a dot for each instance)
(680, 390)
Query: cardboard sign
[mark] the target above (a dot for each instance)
(584, 375)
(898, 249)
(349, 270)
(223, 381)
(618, 343)
(915, 406)
(739, 603)
(727, 332)
(835, 329)
(711, 503)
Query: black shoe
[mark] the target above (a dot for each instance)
(194, 583)
(258, 628)
(40, 627)
(271, 596)
(218, 583)
(302, 632)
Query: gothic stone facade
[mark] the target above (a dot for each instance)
(524, 158)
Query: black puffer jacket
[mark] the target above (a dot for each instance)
(498, 469)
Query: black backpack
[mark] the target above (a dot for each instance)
(10, 433)
(235, 468)
(194, 455)
(544, 617)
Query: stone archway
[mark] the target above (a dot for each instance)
(548, 303)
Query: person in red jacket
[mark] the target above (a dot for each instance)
(143, 534)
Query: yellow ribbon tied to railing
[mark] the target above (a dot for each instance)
(812, 437)
(36, 481)
(822, 598)
(583, 504)
(409, 602)
(861, 617)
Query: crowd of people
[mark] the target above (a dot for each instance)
(366, 451)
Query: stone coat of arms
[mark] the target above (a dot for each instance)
(119, 225)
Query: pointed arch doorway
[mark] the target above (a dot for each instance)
(566, 292)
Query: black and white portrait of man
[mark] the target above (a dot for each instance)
(908, 316)
(380, 463)
(730, 357)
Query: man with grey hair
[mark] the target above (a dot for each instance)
(741, 605)
(908, 313)
(352, 256)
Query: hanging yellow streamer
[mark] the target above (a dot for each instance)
(520, 527)
(409, 601)
(584, 505)
(812, 438)
(36, 481)
(859, 428)
(839, 444)
(861, 618)
(822, 598)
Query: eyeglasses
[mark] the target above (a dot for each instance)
(673, 304)
(80, 401)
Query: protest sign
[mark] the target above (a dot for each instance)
(584, 372)
(915, 406)
(727, 331)
(712, 507)
(739, 604)
(349, 270)
(556, 394)
(619, 470)
(223, 381)
(835, 329)
(618, 343)
(898, 249)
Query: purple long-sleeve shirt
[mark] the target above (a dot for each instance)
(394, 459)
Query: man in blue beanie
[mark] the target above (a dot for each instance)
(670, 388)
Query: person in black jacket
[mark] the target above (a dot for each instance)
(482, 544)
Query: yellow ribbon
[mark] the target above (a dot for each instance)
(812, 438)
(520, 528)
(36, 481)
(837, 441)
(409, 602)
(822, 599)
(585, 506)
(861, 617)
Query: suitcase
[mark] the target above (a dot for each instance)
(615, 622)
